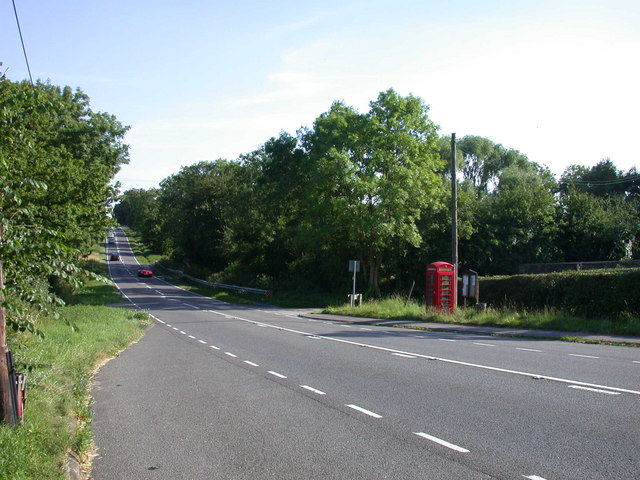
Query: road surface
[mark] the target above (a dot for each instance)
(221, 391)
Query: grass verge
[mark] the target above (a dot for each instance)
(398, 308)
(59, 367)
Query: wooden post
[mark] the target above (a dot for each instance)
(7, 414)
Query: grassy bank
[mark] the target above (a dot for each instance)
(397, 308)
(59, 367)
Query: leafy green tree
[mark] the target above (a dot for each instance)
(371, 177)
(192, 222)
(515, 223)
(598, 227)
(484, 161)
(57, 159)
(139, 209)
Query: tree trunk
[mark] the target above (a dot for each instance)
(373, 262)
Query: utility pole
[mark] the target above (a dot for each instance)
(454, 219)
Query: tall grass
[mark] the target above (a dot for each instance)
(59, 367)
(549, 319)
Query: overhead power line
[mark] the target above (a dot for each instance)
(24, 50)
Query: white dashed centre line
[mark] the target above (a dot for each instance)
(192, 306)
(446, 340)
(528, 350)
(314, 390)
(484, 344)
(276, 374)
(597, 390)
(202, 341)
(191, 336)
(214, 347)
(581, 356)
(533, 477)
(251, 363)
(183, 333)
(363, 410)
(231, 354)
(442, 442)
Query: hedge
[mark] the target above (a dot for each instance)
(613, 294)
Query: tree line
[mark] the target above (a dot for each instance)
(375, 187)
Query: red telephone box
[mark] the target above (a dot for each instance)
(441, 286)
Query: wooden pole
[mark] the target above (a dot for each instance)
(7, 415)
(454, 220)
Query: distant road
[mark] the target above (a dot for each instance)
(221, 391)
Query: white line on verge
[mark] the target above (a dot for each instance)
(442, 442)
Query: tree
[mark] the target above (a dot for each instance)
(371, 176)
(484, 161)
(57, 159)
(515, 223)
(597, 228)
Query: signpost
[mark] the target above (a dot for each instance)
(354, 266)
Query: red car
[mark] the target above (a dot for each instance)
(145, 272)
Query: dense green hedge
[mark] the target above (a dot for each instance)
(611, 294)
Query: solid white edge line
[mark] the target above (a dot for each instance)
(363, 410)
(314, 390)
(597, 390)
(442, 442)
(403, 355)
(276, 374)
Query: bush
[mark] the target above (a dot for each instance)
(610, 294)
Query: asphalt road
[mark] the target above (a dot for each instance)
(221, 391)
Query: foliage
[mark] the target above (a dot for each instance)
(57, 158)
(375, 186)
(606, 294)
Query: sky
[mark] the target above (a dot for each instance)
(198, 80)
